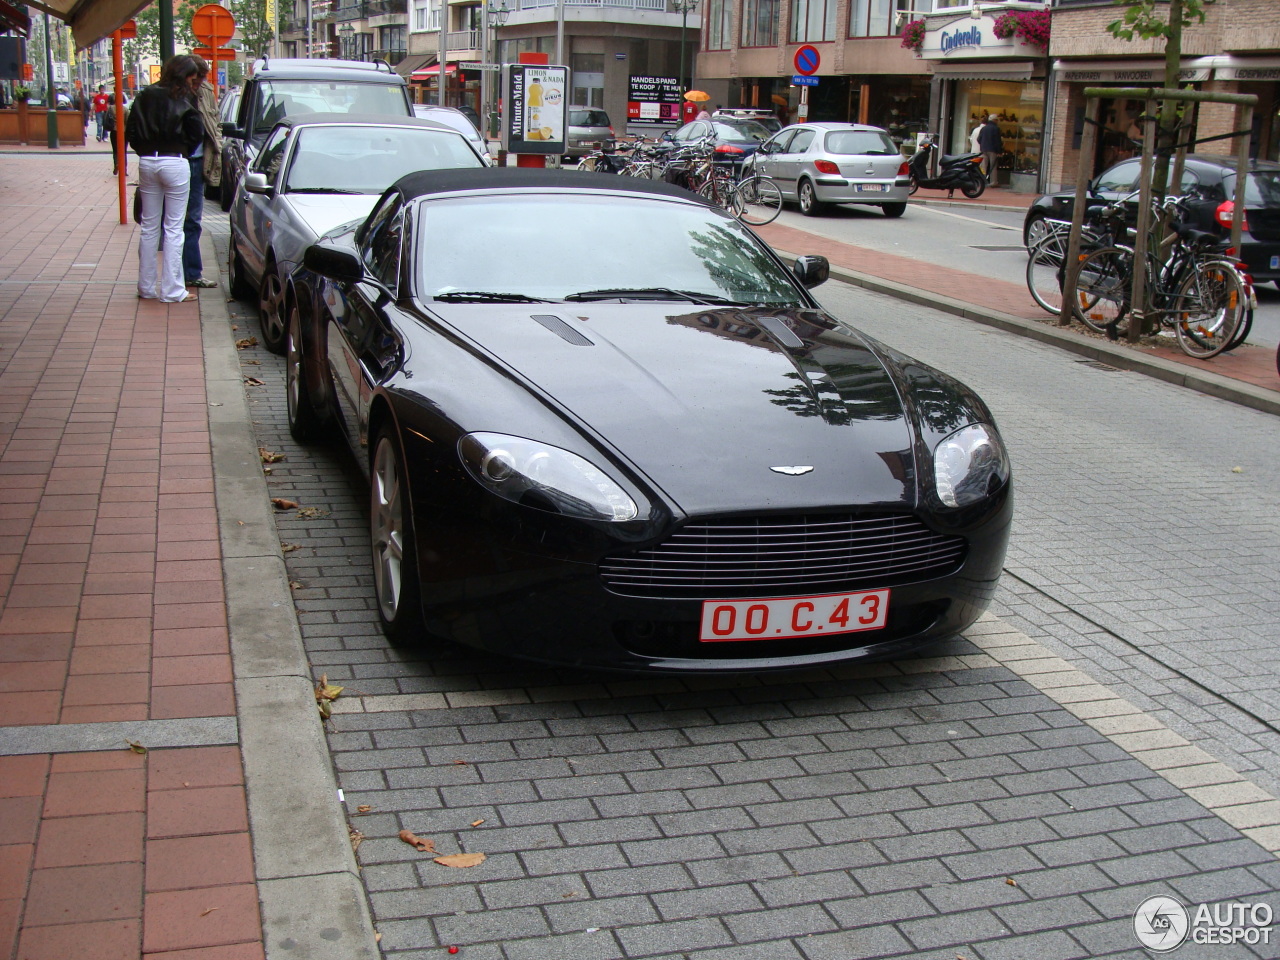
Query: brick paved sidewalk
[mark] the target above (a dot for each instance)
(113, 624)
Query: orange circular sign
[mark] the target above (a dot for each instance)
(213, 25)
(129, 30)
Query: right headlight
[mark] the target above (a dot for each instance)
(970, 465)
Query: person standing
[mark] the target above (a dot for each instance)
(163, 128)
(991, 145)
(205, 165)
(101, 102)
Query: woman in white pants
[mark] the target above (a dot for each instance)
(164, 127)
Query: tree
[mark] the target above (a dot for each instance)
(255, 32)
(148, 20)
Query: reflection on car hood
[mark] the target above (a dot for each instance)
(324, 211)
(707, 402)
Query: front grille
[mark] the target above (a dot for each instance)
(784, 556)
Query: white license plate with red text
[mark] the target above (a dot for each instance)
(872, 188)
(793, 616)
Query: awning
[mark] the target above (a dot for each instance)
(1126, 71)
(90, 20)
(993, 70)
(1229, 67)
(426, 74)
(409, 64)
(11, 18)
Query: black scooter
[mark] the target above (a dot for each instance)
(962, 172)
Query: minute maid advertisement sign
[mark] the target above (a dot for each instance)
(971, 38)
(534, 108)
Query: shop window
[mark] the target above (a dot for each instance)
(588, 79)
(1018, 107)
(760, 23)
(813, 21)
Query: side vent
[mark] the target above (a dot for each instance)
(562, 330)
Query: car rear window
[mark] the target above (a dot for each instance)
(278, 99)
(860, 143)
(588, 118)
(741, 130)
(356, 158)
(1262, 189)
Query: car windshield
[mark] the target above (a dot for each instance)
(588, 118)
(288, 98)
(365, 159)
(860, 143)
(740, 130)
(551, 246)
(1262, 189)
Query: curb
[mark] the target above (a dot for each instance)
(1203, 381)
(309, 889)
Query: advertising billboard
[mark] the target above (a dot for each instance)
(535, 108)
(654, 100)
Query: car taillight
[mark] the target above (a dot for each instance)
(611, 131)
(903, 171)
(1224, 213)
(826, 166)
(729, 148)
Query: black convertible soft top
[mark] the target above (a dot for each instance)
(425, 182)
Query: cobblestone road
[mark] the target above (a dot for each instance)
(932, 808)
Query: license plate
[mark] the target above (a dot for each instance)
(793, 616)
(872, 188)
(1275, 263)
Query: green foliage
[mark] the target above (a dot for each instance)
(255, 32)
(1148, 20)
(147, 43)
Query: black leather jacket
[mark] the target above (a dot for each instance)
(160, 123)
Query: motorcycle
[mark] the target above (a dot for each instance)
(962, 172)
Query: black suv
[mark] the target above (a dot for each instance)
(279, 88)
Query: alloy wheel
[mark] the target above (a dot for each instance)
(386, 519)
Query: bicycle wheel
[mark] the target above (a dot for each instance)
(759, 200)
(1210, 305)
(1046, 270)
(719, 191)
(1101, 294)
(586, 165)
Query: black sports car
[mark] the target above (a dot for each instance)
(663, 457)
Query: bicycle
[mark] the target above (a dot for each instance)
(1046, 260)
(757, 200)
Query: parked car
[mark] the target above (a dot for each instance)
(280, 88)
(818, 164)
(766, 118)
(457, 120)
(670, 461)
(228, 103)
(314, 172)
(586, 126)
(735, 140)
(1211, 181)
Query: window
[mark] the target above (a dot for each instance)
(588, 79)
(883, 18)
(380, 246)
(268, 161)
(393, 38)
(420, 13)
(719, 31)
(760, 23)
(813, 20)
(801, 143)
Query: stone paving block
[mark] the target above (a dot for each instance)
(599, 945)
(572, 915)
(861, 944)
(823, 888)
(957, 928)
(1052, 943)
(678, 935)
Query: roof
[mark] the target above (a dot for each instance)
(426, 182)
(364, 119)
(1229, 162)
(352, 71)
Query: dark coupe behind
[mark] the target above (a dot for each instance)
(666, 457)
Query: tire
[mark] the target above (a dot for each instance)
(720, 192)
(1046, 272)
(304, 422)
(1101, 296)
(893, 210)
(1034, 231)
(586, 165)
(236, 281)
(271, 308)
(1212, 305)
(395, 566)
(915, 185)
(759, 201)
(810, 205)
(974, 186)
(226, 190)
(1242, 334)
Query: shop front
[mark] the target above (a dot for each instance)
(899, 104)
(976, 75)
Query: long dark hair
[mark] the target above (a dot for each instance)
(177, 73)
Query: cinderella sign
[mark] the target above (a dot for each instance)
(968, 38)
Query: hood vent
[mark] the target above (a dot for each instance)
(778, 329)
(562, 330)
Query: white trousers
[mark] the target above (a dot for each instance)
(163, 183)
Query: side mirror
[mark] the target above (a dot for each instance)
(336, 263)
(810, 270)
(229, 129)
(669, 137)
(257, 183)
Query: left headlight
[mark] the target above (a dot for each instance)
(970, 465)
(545, 477)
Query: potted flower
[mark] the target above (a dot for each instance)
(22, 94)
(913, 36)
(1030, 26)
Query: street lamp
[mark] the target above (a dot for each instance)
(346, 32)
(494, 18)
(683, 6)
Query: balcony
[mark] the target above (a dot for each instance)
(463, 40)
(381, 8)
(391, 56)
(351, 11)
(659, 5)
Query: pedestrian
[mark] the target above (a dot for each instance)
(973, 135)
(206, 164)
(100, 104)
(109, 132)
(703, 114)
(164, 126)
(992, 146)
(81, 103)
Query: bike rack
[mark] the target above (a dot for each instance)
(1152, 95)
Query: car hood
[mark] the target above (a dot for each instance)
(705, 404)
(321, 212)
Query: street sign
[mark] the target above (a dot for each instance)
(476, 65)
(807, 59)
(799, 81)
(210, 53)
(213, 25)
(129, 30)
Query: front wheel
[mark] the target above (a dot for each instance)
(759, 201)
(720, 191)
(893, 210)
(974, 187)
(810, 205)
(1100, 299)
(226, 190)
(304, 422)
(271, 317)
(1046, 267)
(236, 281)
(395, 566)
(1211, 305)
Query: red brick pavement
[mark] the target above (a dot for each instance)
(111, 595)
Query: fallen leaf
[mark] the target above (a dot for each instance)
(377, 938)
(288, 547)
(421, 844)
(239, 523)
(326, 711)
(205, 913)
(1237, 469)
(459, 761)
(136, 747)
(363, 808)
(246, 343)
(1010, 881)
(325, 690)
(256, 363)
(356, 836)
(269, 456)
(255, 382)
(312, 513)
(234, 326)
(476, 823)
(461, 860)
(295, 585)
(267, 471)
(281, 503)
